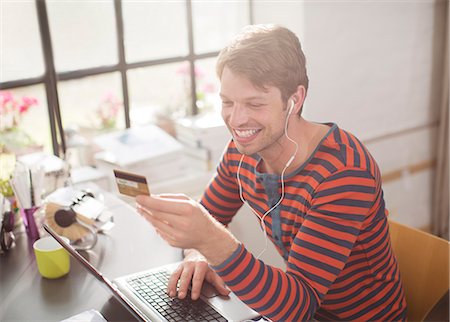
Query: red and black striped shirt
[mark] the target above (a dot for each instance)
(331, 228)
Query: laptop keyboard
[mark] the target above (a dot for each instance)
(152, 287)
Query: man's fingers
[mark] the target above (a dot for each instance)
(217, 282)
(197, 279)
(162, 216)
(173, 281)
(143, 210)
(174, 206)
(162, 226)
(185, 281)
(179, 196)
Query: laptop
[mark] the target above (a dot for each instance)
(144, 295)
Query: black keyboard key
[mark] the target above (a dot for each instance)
(153, 289)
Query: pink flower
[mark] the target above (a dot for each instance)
(7, 102)
(185, 70)
(29, 101)
(23, 108)
(13, 109)
(108, 109)
(209, 88)
(5, 97)
(108, 97)
(199, 72)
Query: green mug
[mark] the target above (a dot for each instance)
(52, 260)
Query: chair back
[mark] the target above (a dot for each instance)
(424, 267)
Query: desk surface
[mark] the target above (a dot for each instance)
(131, 246)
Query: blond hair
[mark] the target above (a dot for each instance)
(268, 55)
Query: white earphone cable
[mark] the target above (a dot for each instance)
(288, 163)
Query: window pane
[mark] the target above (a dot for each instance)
(208, 85)
(216, 22)
(154, 29)
(30, 116)
(92, 102)
(21, 51)
(163, 89)
(83, 34)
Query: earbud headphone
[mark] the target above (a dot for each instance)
(291, 108)
(288, 163)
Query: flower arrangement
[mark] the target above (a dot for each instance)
(108, 110)
(204, 89)
(12, 109)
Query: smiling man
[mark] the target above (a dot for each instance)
(314, 187)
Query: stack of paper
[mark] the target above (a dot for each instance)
(148, 151)
(55, 169)
(205, 137)
(28, 183)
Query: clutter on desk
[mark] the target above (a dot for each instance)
(27, 183)
(56, 170)
(7, 166)
(7, 238)
(77, 215)
(146, 150)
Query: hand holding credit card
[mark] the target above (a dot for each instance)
(131, 184)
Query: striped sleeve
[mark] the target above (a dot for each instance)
(221, 197)
(318, 254)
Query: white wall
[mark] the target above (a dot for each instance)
(375, 69)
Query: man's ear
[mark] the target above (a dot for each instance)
(298, 98)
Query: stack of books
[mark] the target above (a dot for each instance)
(204, 138)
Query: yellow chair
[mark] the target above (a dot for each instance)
(424, 267)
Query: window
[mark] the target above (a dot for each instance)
(83, 34)
(216, 22)
(21, 54)
(154, 30)
(26, 129)
(88, 62)
(92, 102)
(156, 90)
(207, 85)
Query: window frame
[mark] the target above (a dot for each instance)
(50, 78)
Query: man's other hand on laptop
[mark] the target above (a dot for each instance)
(192, 274)
(186, 224)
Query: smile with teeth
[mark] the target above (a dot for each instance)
(245, 133)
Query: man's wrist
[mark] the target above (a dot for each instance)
(190, 253)
(219, 247)
(186, 252)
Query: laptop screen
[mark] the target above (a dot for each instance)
(98, 275)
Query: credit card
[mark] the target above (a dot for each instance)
(131, 184)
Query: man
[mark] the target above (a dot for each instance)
(314, 187)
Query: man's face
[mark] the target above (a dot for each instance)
(255, 118)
